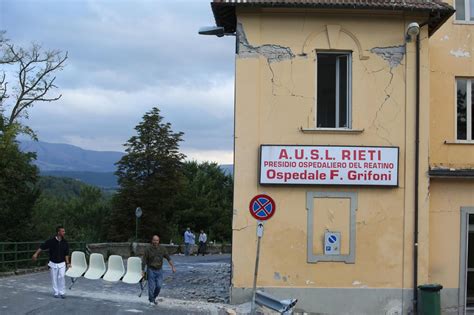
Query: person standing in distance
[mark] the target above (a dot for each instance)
(188, 241)
(153, 260)
(58, 260)
(202, 243)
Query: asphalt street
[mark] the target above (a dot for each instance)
(195, 288)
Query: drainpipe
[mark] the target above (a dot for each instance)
(417, 169)
(417, 159)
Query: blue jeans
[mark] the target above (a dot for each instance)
(187, 249)
(155, 280)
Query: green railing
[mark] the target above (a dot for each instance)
(15, 255)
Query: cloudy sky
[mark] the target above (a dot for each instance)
(126, 56)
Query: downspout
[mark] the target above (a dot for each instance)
(417, 159)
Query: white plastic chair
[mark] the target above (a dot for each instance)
(115, 270)
(96, 267)
(78, 267)
(134, 273)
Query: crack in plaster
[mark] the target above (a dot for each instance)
(275, 84)
(272, 52)
(387, 97)
(240, 229)
(247, 225)
(460, 53)
(394, 56)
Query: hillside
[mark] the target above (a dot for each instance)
(60, 187)
(65, 157)
(99, 179)
(90, 167)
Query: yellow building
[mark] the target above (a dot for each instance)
(451, 216)
(362, 135)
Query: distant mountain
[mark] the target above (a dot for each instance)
(66, 157)
(91, 167)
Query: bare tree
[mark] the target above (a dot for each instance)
(32, 78)
(4, 59)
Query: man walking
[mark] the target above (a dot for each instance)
(153, 260)
(188, 241)
(58, 260)
(202, 243)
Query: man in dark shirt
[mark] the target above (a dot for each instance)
(58, 260)
(153, 260)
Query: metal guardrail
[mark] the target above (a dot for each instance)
(14, 255)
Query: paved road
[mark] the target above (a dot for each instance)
(31, 294)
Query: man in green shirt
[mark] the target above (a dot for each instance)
(153, 260)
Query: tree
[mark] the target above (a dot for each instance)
(33, 81)
(206, 201)
(18, 191)
(83, 215)
(26, 77)
(149, 177)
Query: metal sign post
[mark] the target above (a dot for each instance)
(138, 214)
(254, 290)
(262, 208)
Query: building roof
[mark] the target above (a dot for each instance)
(438, 12)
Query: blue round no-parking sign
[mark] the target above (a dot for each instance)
(262, 207)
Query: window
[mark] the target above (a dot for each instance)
(333, 90)
(464, 112)
(465, 10)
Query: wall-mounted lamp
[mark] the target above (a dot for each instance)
(214, 30)
(413, 29)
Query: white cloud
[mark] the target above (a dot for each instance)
(101, 119)
(215, 100)
(124, 58)
(220, 157)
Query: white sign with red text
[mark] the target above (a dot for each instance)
(328, 165)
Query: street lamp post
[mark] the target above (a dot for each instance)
(138, 214)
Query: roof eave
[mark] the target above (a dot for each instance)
(225, 12)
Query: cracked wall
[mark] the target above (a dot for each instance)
(271, 52)
(393, 55)
(293, 75)
(275, 98)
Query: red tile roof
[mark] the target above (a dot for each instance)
(437, 11)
